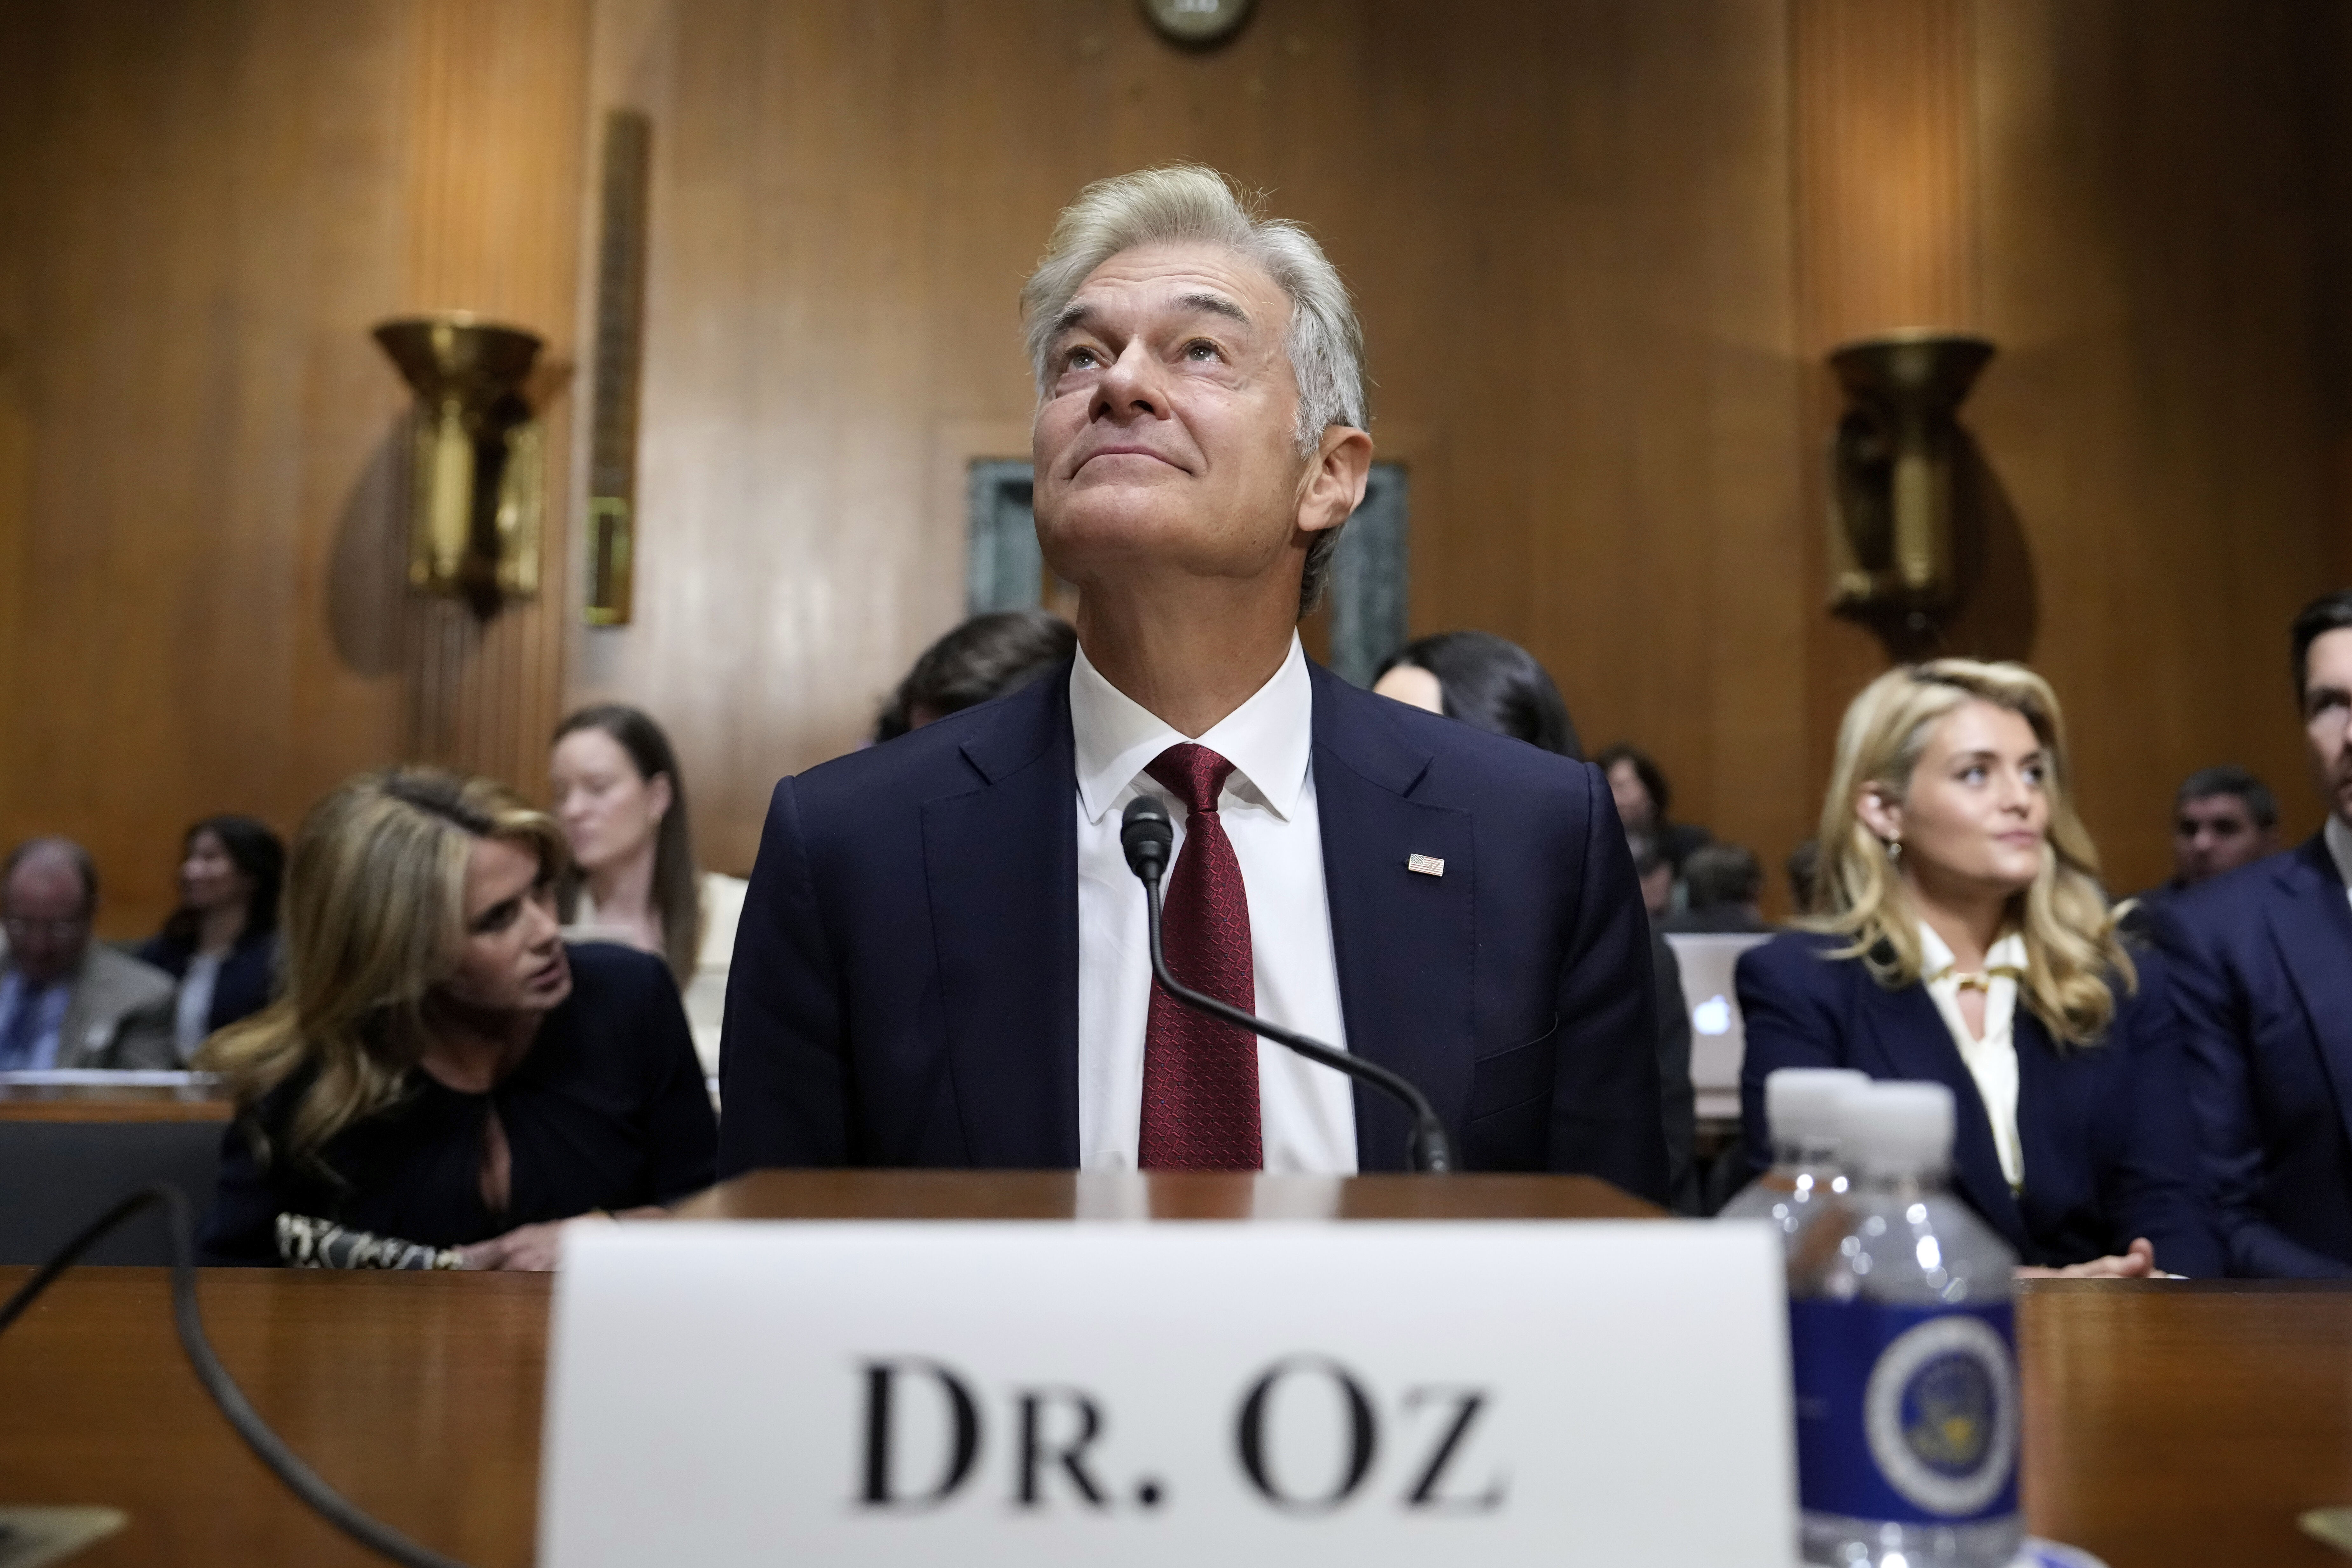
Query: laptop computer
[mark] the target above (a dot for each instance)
(1718, 1039)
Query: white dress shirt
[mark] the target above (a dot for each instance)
(1307, 1113)
(192, 1011)
(2339, 845)
(1991, 1060)
(706, 993)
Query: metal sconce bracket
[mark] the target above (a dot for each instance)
(1893, 515)
(481, 470)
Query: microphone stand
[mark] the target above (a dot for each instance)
(1145, 833)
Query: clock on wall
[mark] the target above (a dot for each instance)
(1197, 22)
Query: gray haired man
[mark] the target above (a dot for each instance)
(942, 960)
(65, 1003)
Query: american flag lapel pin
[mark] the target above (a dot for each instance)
(1427, 865)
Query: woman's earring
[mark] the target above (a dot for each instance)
(1895, 849)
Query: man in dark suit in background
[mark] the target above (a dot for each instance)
(2265, 996)
(941, 961)
(2222, 818)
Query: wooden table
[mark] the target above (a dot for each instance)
(2165, 1422)
(112, 1102)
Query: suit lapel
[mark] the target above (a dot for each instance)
(2314, 932)
(75, 1047)
(1405, 942)
(1915, 1044)
(1001, 862)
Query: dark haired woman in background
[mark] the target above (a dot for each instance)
(621, 801)
(221, 943)
(1492, 683)
(1486, 681)
(984, 658)
(1639, 787)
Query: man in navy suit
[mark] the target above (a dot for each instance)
(941, 961)
(2265, 996)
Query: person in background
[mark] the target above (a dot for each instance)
(221, 943)
(441, 1072)
(632, 878)
(984, 658)
(1485, 681)
(1722, 884)
(1497, 685)
(1962, 938)
(1802, 869)
(1643, 795)
(64, 1001)
(2223, 818)
(2265, 999)
(1656, 874)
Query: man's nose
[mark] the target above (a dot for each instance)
(1132, 386)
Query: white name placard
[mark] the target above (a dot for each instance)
(1210, 1395)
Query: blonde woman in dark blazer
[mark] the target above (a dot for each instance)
(1962, 938)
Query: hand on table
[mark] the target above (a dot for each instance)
(539, 1249)
(2139, 1264)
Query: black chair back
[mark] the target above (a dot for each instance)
(57, 1177)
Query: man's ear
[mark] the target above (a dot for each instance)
(1333, 485)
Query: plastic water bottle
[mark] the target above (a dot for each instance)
(1801, 1110)
(1904, 1353)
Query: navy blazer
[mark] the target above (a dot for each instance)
(2265, 999)
(248, 978)
(904, 988)
(2110, 1151)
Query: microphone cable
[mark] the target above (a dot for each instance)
(267, 1446)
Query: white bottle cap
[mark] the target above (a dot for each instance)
(1801, 1103)
(1897, 1129)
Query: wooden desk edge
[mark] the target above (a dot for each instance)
(1156, 1194)
(23, 1106)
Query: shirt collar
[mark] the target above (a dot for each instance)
(1269, 739)
(1935, 955)
(2339, 844)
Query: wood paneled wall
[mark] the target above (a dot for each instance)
(1599, 245)
(203, 208)
(2166, 412)
(1568, 225)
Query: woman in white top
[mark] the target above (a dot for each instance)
(621, 801)
(1962, 938)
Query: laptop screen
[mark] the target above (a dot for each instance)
(1719, 1039)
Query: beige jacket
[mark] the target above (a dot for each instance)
(119, 1013)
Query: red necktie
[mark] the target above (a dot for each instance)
(1200, 1076)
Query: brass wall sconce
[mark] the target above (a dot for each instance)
(479, 474)
(1892, 550)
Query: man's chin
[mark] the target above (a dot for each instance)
(1108, 521)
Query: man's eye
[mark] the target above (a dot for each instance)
(1081, 360)
(1200, 351)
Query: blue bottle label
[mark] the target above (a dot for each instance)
(1906, 1414)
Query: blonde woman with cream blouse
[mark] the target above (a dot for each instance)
(621, 801)
(1962, 938)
